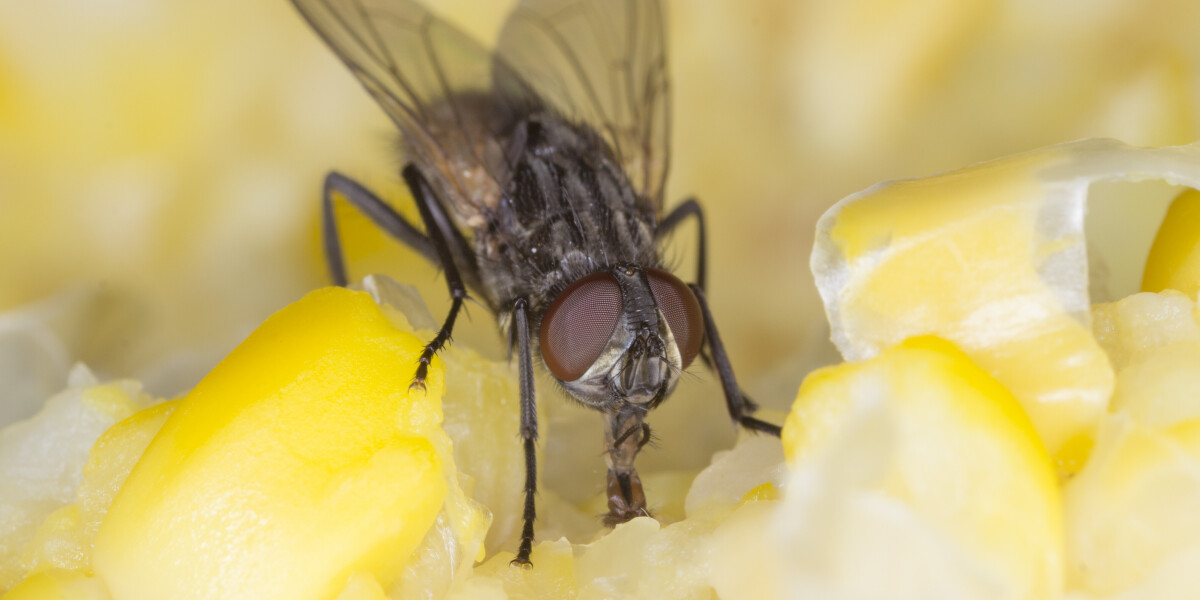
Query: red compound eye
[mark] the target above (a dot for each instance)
(578, 325)
(679, 305)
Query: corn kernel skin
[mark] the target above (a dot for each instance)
(300, 460)
(988, 257)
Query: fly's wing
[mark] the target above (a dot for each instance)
(603, 63)
(433, 81)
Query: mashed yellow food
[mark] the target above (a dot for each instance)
(993, 435)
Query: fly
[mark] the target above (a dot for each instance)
(538, 172)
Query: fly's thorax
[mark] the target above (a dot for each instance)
(608, 337)
(566, 209)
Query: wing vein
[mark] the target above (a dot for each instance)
(573, 59)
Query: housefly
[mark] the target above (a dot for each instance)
(538, 173)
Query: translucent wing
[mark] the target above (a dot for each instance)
(604, 63)
(433, 81)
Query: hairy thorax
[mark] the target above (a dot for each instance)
(566, 210)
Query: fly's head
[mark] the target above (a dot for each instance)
(622, 336)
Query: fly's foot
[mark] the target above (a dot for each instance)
(418, 380)
(522, 563)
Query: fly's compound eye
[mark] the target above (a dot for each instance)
(578, 325)
(679, 305)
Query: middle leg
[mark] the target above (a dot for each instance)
(529, 428)
(380, 213)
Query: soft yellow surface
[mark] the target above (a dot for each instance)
(766, 491)
(1174, 261)
(300, 459)
(54, 486)
(1132, 527)
(58, 585)
(993, 258)
(1131, 520)
(1153, 341)
(966, 457)
(362, 587)
(65, 539)
(188, 181)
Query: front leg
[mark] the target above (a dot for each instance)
(529, 428)
(439, 229)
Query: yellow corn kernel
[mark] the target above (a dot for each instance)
(965, 457)
(1174, 261)
(299, 460)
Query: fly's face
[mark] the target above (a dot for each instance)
(622, 335)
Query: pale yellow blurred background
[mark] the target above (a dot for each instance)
(161, 161)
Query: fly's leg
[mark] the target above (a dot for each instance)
(375, 209)
(689, 208)
(529, 428)
(438, 227)
(739, 407)
(386, 218)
